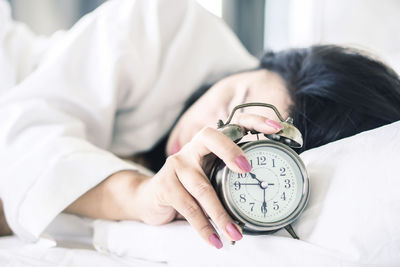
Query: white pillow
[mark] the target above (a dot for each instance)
(352, 219)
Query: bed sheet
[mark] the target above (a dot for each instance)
(46, 253)
(66, 242)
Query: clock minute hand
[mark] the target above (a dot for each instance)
(264, 204)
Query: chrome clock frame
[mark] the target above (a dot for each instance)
(220, 174)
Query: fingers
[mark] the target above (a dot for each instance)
(193, 197)
(179, 216)
(201, 189)
(186, 205)
(259, 123)
(210, 140)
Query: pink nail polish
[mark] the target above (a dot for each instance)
(214, 239)
(274, 124)
(243, 163)
(233, 232)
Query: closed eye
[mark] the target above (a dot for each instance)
(233, 103)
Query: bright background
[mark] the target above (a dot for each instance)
(372, 25)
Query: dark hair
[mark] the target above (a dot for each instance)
(336, 91)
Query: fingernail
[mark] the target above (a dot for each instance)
(233, 232)
(274, 124)
(214, 239)
(243, 163)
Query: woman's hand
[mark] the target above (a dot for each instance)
(181, 186)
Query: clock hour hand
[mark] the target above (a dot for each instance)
(254, 177)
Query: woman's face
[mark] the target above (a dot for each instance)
(253, 86)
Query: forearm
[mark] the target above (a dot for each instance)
(116, 198)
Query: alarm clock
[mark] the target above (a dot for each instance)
(276, 190)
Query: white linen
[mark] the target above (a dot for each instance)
(114, 83)
(43, 253)
(66, 242)
(352, 218)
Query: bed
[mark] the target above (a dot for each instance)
(352, 219)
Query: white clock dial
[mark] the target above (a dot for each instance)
(272, 190)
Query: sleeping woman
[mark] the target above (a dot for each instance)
(60, 124)
(331, 92)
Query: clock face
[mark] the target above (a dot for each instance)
(272, 190)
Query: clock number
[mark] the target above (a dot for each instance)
(264, 209)
(242, 198)
(283, 197)
(276, 206)
(242, 175)
(251, 163)
(261, 160)
(273, 163)
(287, 183)
(252, 206)
(237, 185)
(283, 171)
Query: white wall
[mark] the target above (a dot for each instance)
(372, 25)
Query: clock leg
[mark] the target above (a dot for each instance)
(291, 231)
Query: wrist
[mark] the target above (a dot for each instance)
(123, 197)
